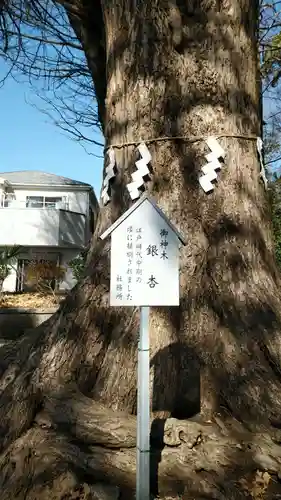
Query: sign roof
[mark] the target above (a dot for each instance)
(144, 197)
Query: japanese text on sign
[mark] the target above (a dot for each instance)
(142, 269)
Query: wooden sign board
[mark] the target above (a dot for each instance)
(144, 258)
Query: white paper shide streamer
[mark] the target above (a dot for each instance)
(141, 173)
(110, 172)
(260, 153)
(214, 160)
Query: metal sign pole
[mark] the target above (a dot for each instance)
(143, 242)
(143, 409)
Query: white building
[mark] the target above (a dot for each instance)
(51, 217)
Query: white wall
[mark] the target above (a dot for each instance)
(72, 229)
(9, 284)
(29, 226)
(46, 227)
(78, 200)
(69, 280)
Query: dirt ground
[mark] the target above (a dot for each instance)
(29, 300)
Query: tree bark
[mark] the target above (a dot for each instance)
(191, 69)
(68, 395)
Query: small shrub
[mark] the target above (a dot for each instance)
(44, 276)
(77, 265)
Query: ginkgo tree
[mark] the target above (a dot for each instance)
(170, 74)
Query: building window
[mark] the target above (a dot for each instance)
(51, 202)
(46, 202)
(35, 201)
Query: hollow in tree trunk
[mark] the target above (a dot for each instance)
(68, 403)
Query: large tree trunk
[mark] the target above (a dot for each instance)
(68, 402)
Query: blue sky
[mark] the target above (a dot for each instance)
(30, 141)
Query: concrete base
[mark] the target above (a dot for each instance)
(14, 322)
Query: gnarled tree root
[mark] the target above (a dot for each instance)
(76, 444)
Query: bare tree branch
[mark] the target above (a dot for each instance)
(38, 42)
